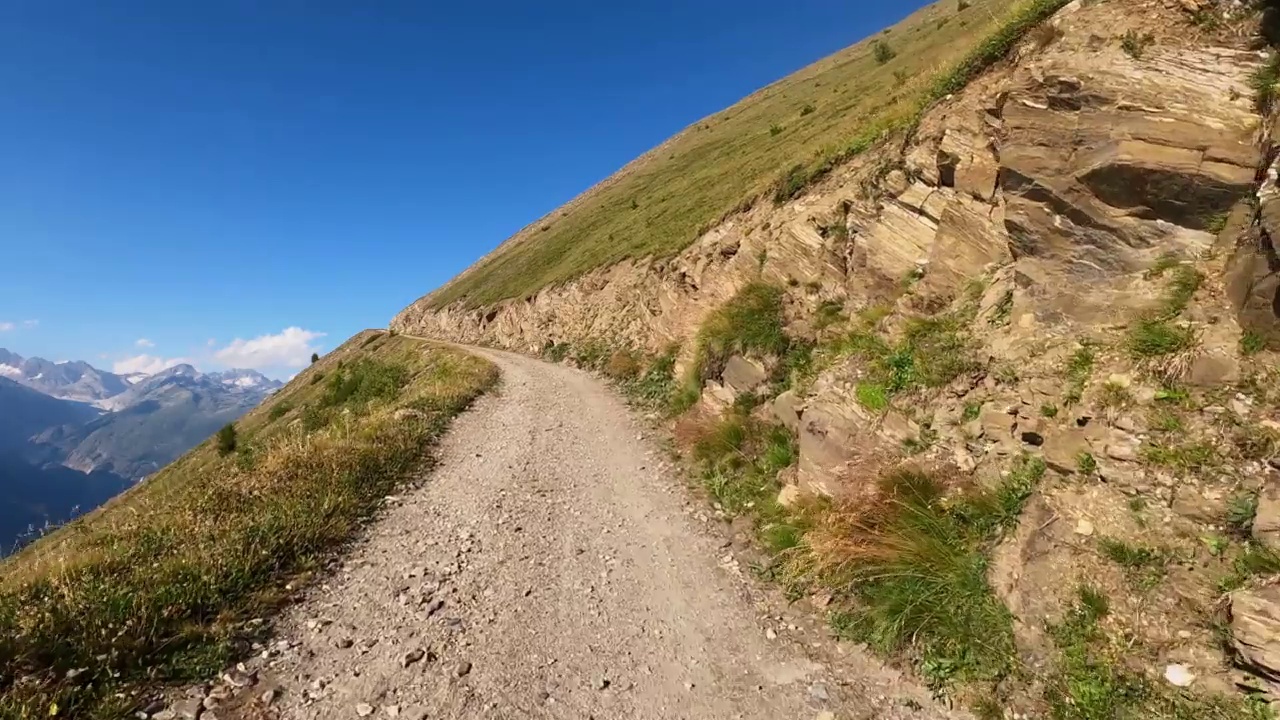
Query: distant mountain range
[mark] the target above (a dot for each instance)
(73, 436)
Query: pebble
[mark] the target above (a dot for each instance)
(462, 669)
(343, 643)
(364, 709)
(1084, 527)
(770, 634)
(818, 691)
(268, 697)
(392, 710)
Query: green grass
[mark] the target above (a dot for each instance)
(739, 459)
(1185, 457)
(1079, 370)
(1242, 508)
(1264, 82)
(155, 586)
(1086, 463)
(1091, 680)
(750, 323)
(872, 396)
(657, 205)
(1252, 343)
(1252, 561)
(930, 353)
(1144, 566)
(913, 567)
(1151, 338)
(1156, 335)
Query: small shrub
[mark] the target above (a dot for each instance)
(1242, 508)
(622, 366)
(591, 354)
(962, 5)
(790, 185)
(1114, 396)
(775, 130)
(315, 358)
(1049, 410)
(1252, 343)
(279, 410)
(1134, 45)
(807, 110)
(881, 51)
(226, 439)
(556, 352)
(971, 411)
(1086, 463)
(364, 381)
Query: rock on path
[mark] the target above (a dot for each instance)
(552, 566)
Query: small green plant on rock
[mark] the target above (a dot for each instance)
(1079, 369)
(1252, 343)
(1135, 44)
(1086, 464)
(1144, 566)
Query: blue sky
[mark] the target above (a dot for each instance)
(180, 176)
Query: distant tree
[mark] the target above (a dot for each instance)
(315, 358)
(226, 439)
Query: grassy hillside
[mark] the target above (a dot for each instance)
(659, 204)
(156, 585)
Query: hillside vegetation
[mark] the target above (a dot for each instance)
(770, 143)
(160, 585)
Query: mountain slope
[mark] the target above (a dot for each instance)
(661, 202)
(25, 412)
(36, 496)
(157, 420)
(78, 381)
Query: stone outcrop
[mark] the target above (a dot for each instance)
(1255, 628)
(1059, 177)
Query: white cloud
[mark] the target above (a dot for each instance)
(290, 348)
(211, 342)
(6, 326)
(144, 343)
(30, 323)
(148, 364)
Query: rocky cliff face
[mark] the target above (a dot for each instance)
(1097, 213)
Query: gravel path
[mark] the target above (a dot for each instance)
(553, 566)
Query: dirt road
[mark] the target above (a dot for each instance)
(554, 566)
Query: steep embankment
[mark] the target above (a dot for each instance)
(1026, 348)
